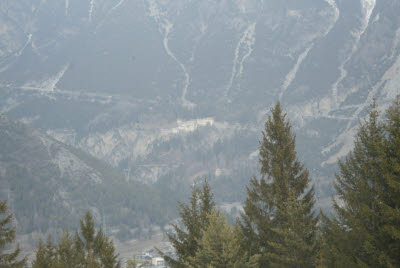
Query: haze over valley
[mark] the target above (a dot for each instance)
(144, 97)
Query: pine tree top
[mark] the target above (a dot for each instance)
(7, 235)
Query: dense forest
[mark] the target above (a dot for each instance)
(49, 185)
(279, 225)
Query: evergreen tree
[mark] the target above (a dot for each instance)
(278, 221)
(89, 241)
(67, 255)
(365, 231)
(295, 245)
(42, 258)
(89, 249)
(255, 223)
(98, 249)
(46, 255)
(194, 219)
(389, 246)
(132, 263)
(219, 246)
(7, 235)
(108, 256)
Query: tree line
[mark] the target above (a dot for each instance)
(279, 225)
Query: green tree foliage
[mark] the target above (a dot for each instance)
(132, 263)
(194, 219)
(34, 179)
(219, 246)
(43, 257)
(89, 248)
(365, 231)
(66, 253)
(46, 255)
(390, 204)
(7, 235)
(278, 221)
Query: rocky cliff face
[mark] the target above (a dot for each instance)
(171, 90)
(50, 185)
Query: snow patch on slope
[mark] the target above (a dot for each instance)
(367, 8)
(377, 18)
(52, 83)
(66, 7)
(345, 140)
(19, 53)
(118, 5)
(48, 85)
(165, 28)
(336, 14)
(91, 6)
(249, 41)
(245, 47)
(292, 74)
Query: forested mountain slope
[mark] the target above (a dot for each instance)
(170, 90)
(49, 186)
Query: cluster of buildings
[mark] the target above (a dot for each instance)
(151, 258)
(150, 261)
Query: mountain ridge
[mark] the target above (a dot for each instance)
(49, 185)
(118, 75)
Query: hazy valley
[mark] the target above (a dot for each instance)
(167, 91)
